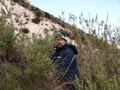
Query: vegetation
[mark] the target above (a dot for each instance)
(24, 64)
(99, 57)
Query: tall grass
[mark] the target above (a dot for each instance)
(99, 57)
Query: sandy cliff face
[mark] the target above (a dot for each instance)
(28, 19)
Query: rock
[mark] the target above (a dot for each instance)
(30, 19)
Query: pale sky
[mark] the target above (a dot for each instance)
(100, 7)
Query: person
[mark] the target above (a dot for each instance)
(66, 64)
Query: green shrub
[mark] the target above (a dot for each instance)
(34, 73)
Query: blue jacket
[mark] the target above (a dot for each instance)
(62, 58)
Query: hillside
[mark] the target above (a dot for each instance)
(25, 65)
(31, 20)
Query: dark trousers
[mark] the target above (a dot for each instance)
(69, 87)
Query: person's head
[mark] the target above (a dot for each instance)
(61, 42)
(61, 37)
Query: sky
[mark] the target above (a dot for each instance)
(100, 7)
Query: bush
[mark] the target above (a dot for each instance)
(26, 64)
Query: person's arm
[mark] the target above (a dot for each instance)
(53, 57)
(69, 57)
